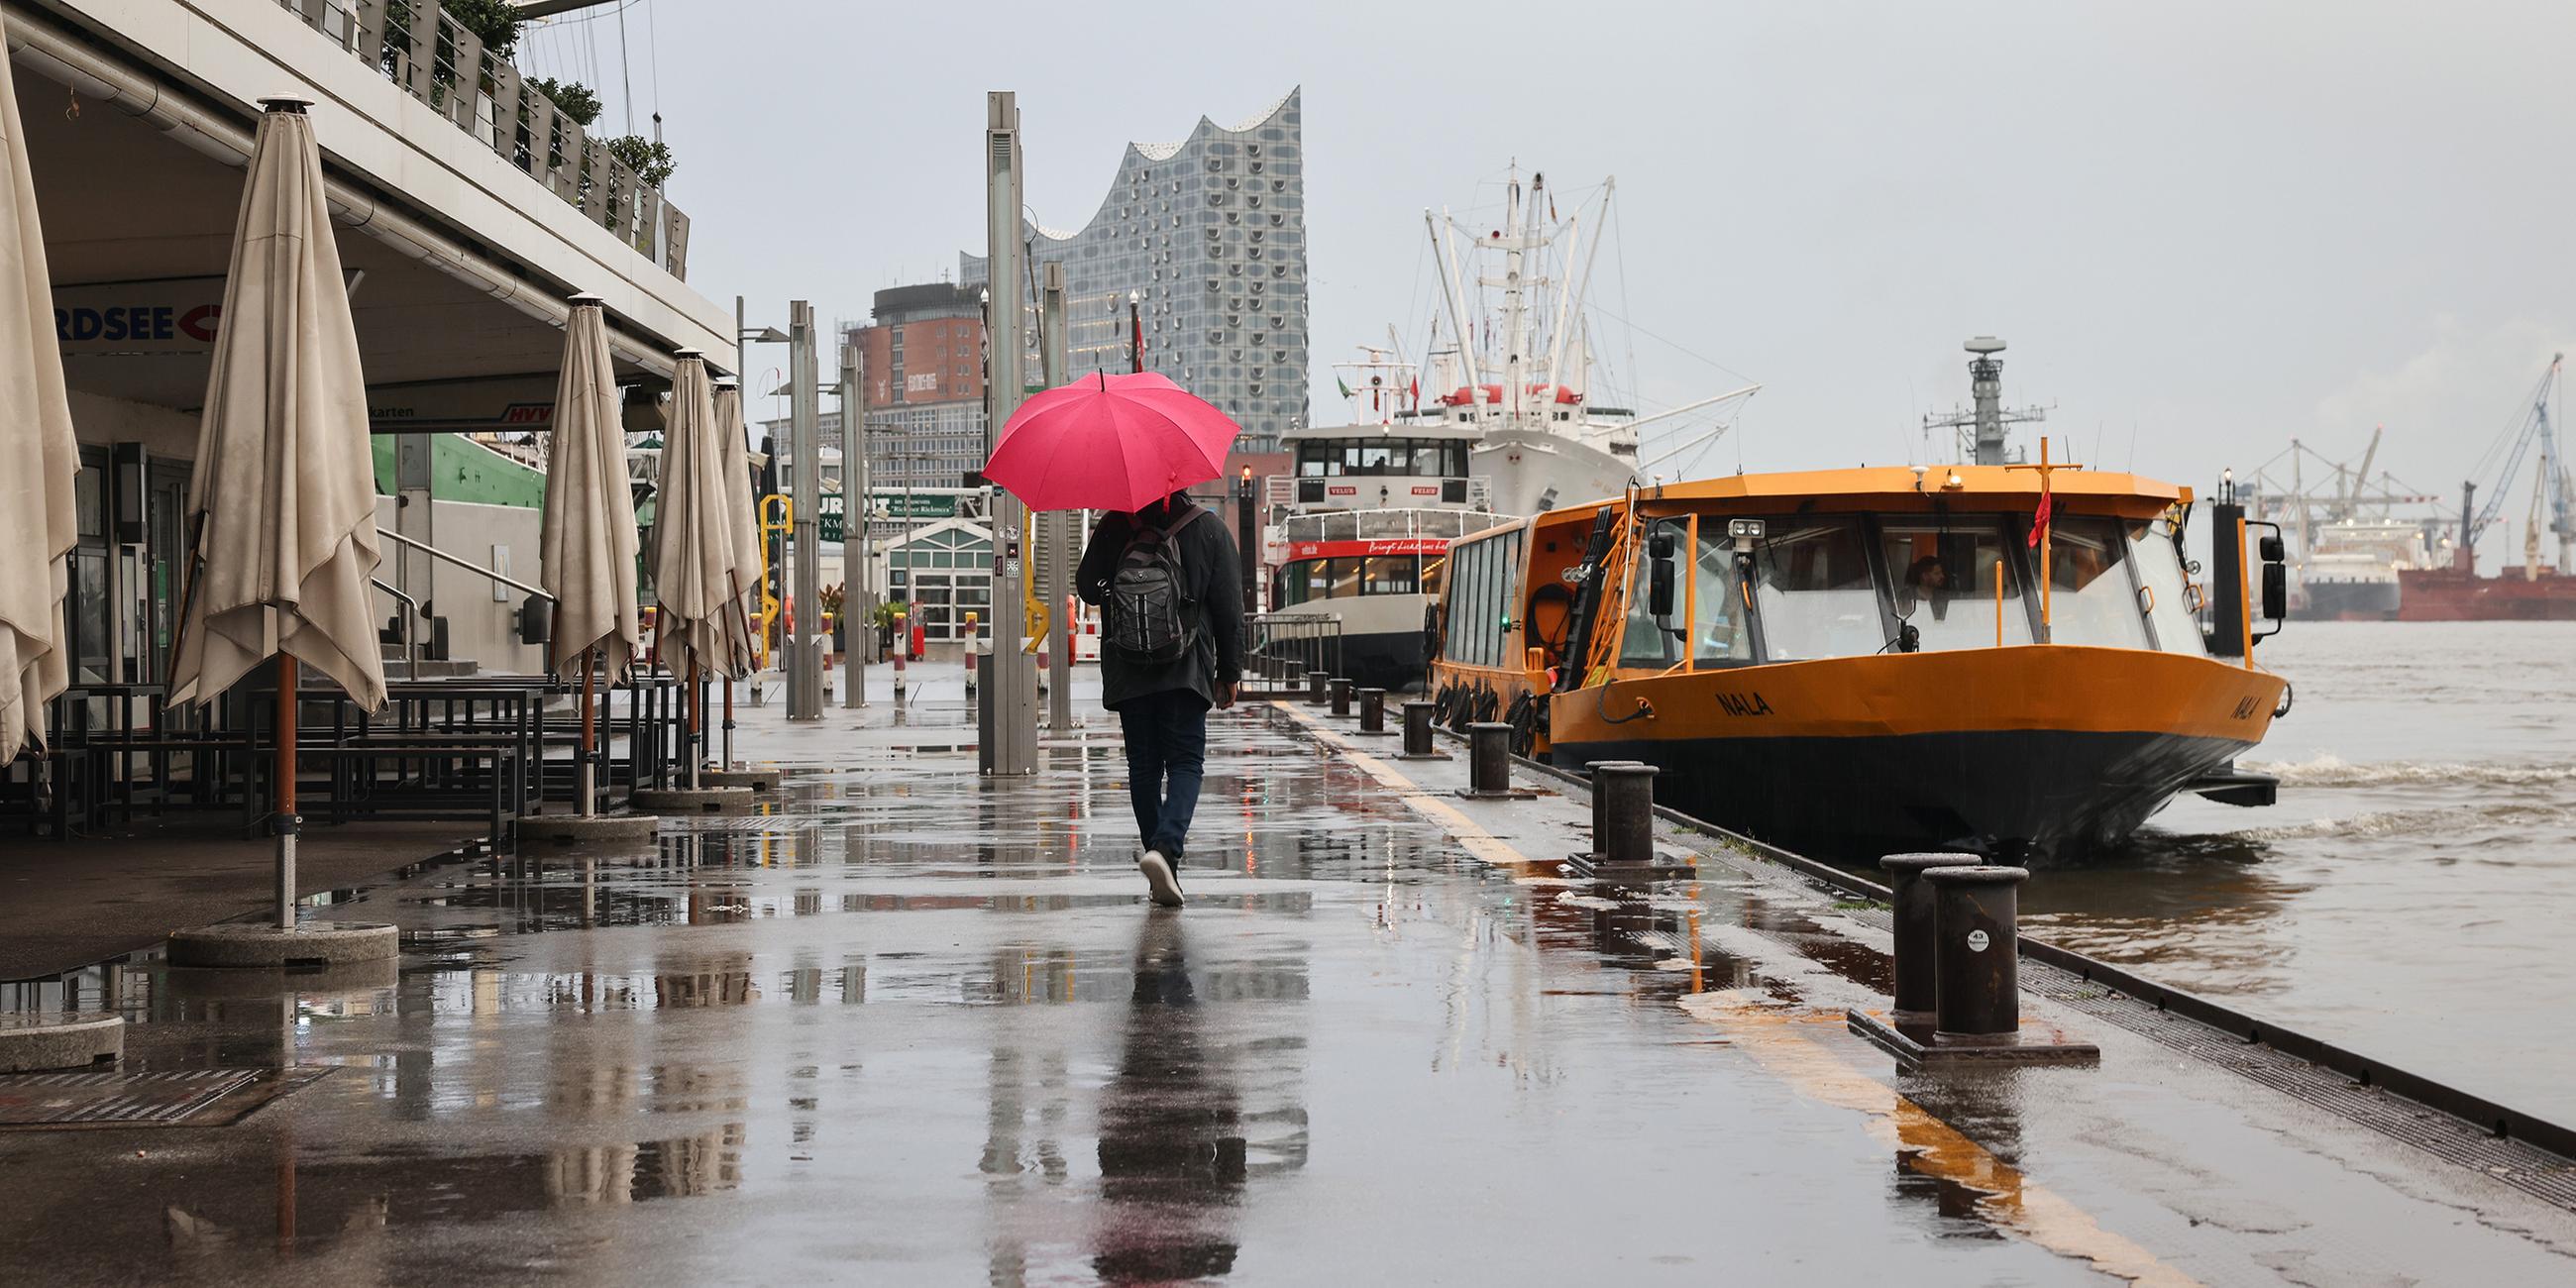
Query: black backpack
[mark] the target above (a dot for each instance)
(1150, 618)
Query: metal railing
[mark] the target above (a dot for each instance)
(1280, 648)
(436, 60)
(1365, 525)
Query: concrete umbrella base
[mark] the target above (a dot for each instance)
(690, 800)
(236, 984)
(34, 1040)
(575, 828)
(758, 780)
(314, 943)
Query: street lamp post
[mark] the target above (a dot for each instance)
(745, 334)
(804, 654)
(857, 504)
(1243, 530)
(1007, 707)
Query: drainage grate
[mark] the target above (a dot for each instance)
(136, 1099)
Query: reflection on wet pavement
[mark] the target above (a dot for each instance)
(909, 1021)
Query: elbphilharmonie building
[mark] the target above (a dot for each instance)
(1209, 236)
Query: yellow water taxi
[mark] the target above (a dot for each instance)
(1865, 661)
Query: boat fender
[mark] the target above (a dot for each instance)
(2289, 694)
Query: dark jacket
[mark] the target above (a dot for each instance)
(1215, 584)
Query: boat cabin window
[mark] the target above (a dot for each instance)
(1644, 641)
(2159, 563)
(1483, 577)
(1382, 458)
(1307, 580)
(1718, 632)
(1814, 590)
(2094, 602)
(1945, 573)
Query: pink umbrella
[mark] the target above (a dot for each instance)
(1110, 443)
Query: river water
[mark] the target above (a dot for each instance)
(2412, 895)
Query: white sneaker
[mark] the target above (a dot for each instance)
(1159, 878)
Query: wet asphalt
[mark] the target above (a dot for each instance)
(907, 1025)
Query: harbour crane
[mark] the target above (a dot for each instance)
(2533, 423)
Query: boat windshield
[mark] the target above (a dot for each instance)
(2094, 603)
(1718, 633)
(2152, 548)
(1647, 642)
(1945, 573)
(1815, 592)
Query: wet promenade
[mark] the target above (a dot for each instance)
(905, 1026)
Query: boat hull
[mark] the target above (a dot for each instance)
(2447, 595)
(2030, 754)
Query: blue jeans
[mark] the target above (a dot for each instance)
(1166, 736)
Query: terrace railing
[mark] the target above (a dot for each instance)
(436, 60)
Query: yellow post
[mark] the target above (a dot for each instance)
(1999, 603)
(2039, 535)
(777, 515)
(2245, 592)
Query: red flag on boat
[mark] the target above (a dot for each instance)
(2039, 521)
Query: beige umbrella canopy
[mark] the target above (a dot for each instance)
(695, 623)
(39, 460)
(589, 534)
(744, 530)
(283, 502)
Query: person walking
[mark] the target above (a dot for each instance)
(1171, 598)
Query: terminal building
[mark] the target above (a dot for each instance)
(1208, 238)
(468, 209)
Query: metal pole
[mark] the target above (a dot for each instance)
(858, 610)
(1059, 526)
(804, 656)
(1244, 514)
(1009, 691)
(286, 823)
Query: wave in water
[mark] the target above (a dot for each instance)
(2330, 770)
(2410, 822)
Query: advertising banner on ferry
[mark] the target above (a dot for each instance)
(1364, 549)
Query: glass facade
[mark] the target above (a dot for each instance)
(1210, 236)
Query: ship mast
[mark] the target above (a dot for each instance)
(1511, 238)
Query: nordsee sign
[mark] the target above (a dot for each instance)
(159, 315)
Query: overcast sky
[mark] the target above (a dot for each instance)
(2203, 228)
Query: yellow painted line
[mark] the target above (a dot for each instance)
(1479, 842)
(1771, 1036)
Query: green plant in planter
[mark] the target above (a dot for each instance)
(650, 159)
(572, 98)
(494, 22)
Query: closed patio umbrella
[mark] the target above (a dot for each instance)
(39, 460)
(697, 618)
(744, 542)
(589, 535)
(282, 504)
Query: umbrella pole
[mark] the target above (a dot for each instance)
(589, 736)
(696, 717)
(284, 822)
(728, 723)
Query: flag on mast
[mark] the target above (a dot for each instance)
(1343, 385)
(2039, 521)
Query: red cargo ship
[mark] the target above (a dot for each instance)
(2450, 595)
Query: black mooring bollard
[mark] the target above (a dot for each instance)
(1315, 687)
(1417, 727)
(1976, 951)
(1911, 896)
(1372, 711)
(1623, 813)
(1489, 759)
(1341, 691)
(1600, 800)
